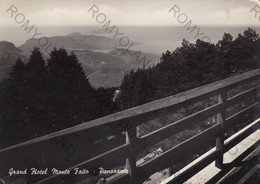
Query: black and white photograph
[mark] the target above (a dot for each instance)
(129, 92)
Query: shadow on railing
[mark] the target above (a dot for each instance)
(42, 153)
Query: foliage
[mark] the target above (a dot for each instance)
(42, 96)
(56, 93)
(190, 66)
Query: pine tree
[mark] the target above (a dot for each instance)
(190, 66)
(69, 92)
(246, 47)
(34, 88)
(18, 70)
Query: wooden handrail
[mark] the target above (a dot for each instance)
(146, 108)
(211, 155)
(141, 114)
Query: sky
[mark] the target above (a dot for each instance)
(130, 13)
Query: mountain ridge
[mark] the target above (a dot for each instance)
(104, 69)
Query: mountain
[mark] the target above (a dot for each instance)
(103, 69)
(74, 41)
(8, 55)
(110, 68)
(106, 79)
(133, 59)
(97, 60)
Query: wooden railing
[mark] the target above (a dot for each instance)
(37, 152)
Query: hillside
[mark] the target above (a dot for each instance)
(8, 55)
(94, 60)
(132, 60)
(109, 68)
(73, 41)
(190, 66)
(102, 68)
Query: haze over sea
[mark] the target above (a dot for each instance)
(152, 39)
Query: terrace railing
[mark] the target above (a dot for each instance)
(52, 150)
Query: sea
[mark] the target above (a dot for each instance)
(152, 39)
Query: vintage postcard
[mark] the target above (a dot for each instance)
(129, 92)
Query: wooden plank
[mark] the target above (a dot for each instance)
(125, 179)
(194, 169)
(201, 164)
(117, 155)
(242, 96)
(197, 167)
(179, 153)
(209, 158)
(236, 118)
(178, 126)
(241, 169)
(249, 174)
(238, 172)
(148, 108)
(50, 154)
(184, 103)
(234, 163)
(242, 135)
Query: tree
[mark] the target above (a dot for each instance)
(55, 95)
(190, 66)
(246, 47)
(18, 70)
(68, 88)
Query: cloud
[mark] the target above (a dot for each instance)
(59, 16)
(135, 12)
(255, 1)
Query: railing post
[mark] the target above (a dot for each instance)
(131, 160)
(221, 117)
